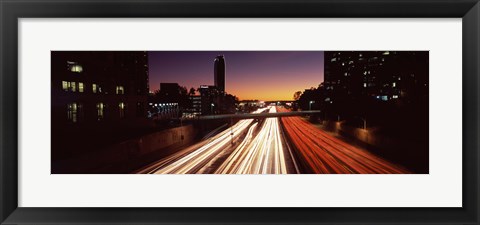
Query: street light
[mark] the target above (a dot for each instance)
(310, 105)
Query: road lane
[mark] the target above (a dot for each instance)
(196, 158)
(264, 153)
(324, 153)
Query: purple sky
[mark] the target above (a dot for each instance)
(262, 75)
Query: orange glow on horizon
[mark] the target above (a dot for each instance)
(271, 90)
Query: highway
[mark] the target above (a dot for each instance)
(264, 153)
(198, 158)
(322, 152)
(273, 145)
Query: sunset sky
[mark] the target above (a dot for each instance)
(262, 75)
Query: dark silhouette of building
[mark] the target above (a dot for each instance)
(97, 97)
(90, 87)
(209, 99)
(195, 108)
(219, 73)
(384, 76)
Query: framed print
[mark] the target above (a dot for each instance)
(318, 112)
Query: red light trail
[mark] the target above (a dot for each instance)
(323, 153)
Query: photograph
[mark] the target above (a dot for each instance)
(240, 112)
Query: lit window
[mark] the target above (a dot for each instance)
(121, 109)
(364, 84)
(94, 88)
(386, 53)
(100, 110)
(73, 87)
(394, 84)
(65, 85)
(120, 90)
(72, 112)
(76, 69)
(80, 87)
(333, 60)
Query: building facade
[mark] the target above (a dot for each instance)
(209, 99)
(92, 87)
(97, 99)
(385, 76)
(219, 73)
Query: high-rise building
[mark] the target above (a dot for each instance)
(219, 73)
(382, 75)
(208, 99)
(97, 98)
(89, 87)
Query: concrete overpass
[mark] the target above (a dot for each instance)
(258, 115)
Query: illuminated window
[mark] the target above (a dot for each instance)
(73, 87)
(364, 84)
(100, 110)
(120, 90)
(65, 85)
(394, 84)
(76, 69)
(72, 112)
(121, 109)
(70, 86)
(80, 87)
(94, 88)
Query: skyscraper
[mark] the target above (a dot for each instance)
(381, 75)
(219, 73)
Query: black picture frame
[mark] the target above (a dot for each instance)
(12, 10)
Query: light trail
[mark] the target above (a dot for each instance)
(262, 154)
(195, 158)
(324, 153)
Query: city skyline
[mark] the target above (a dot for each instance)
(360, 112)
(262, 75)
